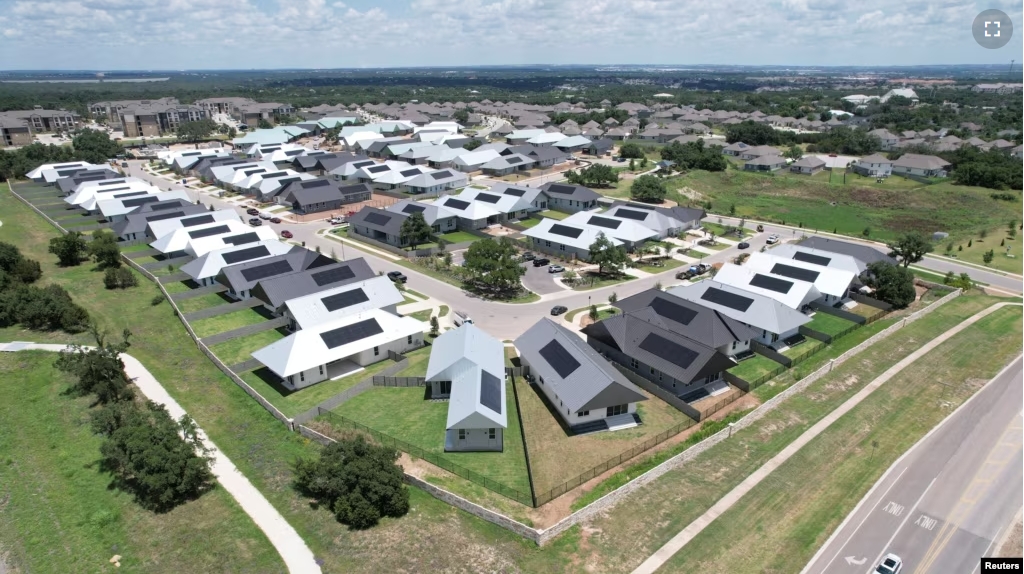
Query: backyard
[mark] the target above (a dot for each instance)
(829, 324)
(754, 368)
(241, 348)
(226, 322)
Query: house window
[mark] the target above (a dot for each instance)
(492, 434)
(652, 370)
(408, 340)
(376, 351)
(462, 434)
(547, 244)
(583, 414)
(660, 378)
(302, 376)
(321, 370)
(561, 247)
(734, 344)
(633, 363)
(617, 410)
(541, 379)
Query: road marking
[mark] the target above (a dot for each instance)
(926, 522)
(900, 527)
(894, 509)
(866, 516)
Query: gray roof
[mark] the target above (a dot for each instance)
(470, 359)
(238, 277)
(569, 191)
(68, 184)
(386, 222)
(138, 220)
(276, 290)
(917, 161)
(811, 161)
(758, 311)
(594, 384)
(864, 253)
(686, 318)
(601, 144)
(310, 191)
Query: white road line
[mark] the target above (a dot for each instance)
(866, 516)
(909, 514)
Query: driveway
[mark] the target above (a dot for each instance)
(538, 280)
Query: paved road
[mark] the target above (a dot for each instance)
(943, 504)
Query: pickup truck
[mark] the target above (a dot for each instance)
(693, 271)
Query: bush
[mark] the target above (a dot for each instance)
(16, 267)
(69, 248)
(157, 299)
(648, 188)
(892, 283)
(46, 308)
(119, 278)
(104, 249)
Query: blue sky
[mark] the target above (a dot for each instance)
(221, 34)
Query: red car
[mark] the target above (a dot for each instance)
(275, 220)
(286, 234)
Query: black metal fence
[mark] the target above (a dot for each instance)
(434, 459)
(765, 350)
(379, 381)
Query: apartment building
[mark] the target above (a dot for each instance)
(39, 120)
(153, 120)
(223, 105)
(14, 132)
(111, 110)
(251, 114)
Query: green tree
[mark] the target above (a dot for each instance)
(910, 248)
(983, 233)
(493, 266)
(104, 250)
(472, 144)
(631, 150)
(434, 326)
(358, 481)
(47, 308)
(605, 254)
(264, 124)
(988, 256)
(461, 116)
(892, 284)
(648, 188)
(415, 230)
(95, 146)
(196, 131)
(119, 278)
(593, 314)
(16, 267)
(632, 165)
(794, 152)
(596, 174)
(69, 248)
(98, 370)
(613, 298)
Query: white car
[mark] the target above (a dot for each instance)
(891, 564)
(772, 239)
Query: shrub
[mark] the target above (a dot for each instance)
(46, 308)
(69, 248)
(157, 299)
(119, 278)
(16, 267)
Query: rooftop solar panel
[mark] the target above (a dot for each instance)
(293, 152)
(562, 189)
(332, 275)
(674, 311)
(111, 182)
(376, 218)
(194, 221)
(798, 273)
(164, 215)
(441, 174)
(413, 208)
(360, 164)
(130, 194)
(809, 258)
(377, 169)
(314, 183)
(515, 191)
(113, 189)
(490, 391)
(191, 153)
(246, 254)
(630, 214)
(268, 270)
(346, 299)
(252, 171)
(410, 173)
(242, 238)
(488, 198)
(166, 205)
(139, 201)
(560, 359)
(456, 203)
(604, 222)
(351, 333)
(670, 351)
(727, 299)
(275, 174)
(644, 207)
(771, 283)
(199, 233)
(566, 231)
(513, 160)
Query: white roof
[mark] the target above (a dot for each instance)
(200, 247)
(547, 137)
(625, 229)
(112, 207)
(181, 239)
(819, 256)
(476, 210)
(162, 227)
(467, 356)
(402, 175)
(756, 310)
(431, 178)
(653, 219)
(588, 234)
(311, 310)
(476, 157)
(98, 185)
(796, 294)
(278, 135)
(52, 175)
(511, 160)
(268, 184)
(827, 280)
(346, 170)
(450, 127)
(431, 211)
(235, 174)
(210, 264)
(352, 139)
(38, 172)
(89, 197)
(572, 141)
(306, 349)
(526, 134)
(506, 203)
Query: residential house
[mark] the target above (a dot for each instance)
(921, 165)
(569, 198)
(507, 164)
(67, 185)
(117, 209)
(765, 163)
(866, 254)
(200, 240)
(807, 165)
(874, 165)
(275, 292)
(885, 137)
(735, 149)
(133, 227)
(312, 196)
(241, 278)
(832, 283)
(340, 301)
(567, 241)
(664, 221)
(204, 270)
(799, 252)
(600, 147)
(794, 294)
(441, 219)
(437, 182)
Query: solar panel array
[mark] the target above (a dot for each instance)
(130, 194)
(274, 174)
(360, 164)
(604, 222)
(809, 258)
(139, 201)
(351, 333)
(332, 276)
(314, 183)
(242, 238)
(376, 218)
(674, 311)
(166, 215)
(113, 189)
(566, 231)
(112, 182)
(267, 270)
(199, 233)
(513, 160)
(410, 172)
(560, 359)
(199, 220)
(252, 171)
(515, 191)
(165, 205)
(378, 169)
(630, 214)
(727, 299)
(798, 273)
(488, 198)
(490, 391)
(191, 153)
(456, 203)
(345, 299)
(246, 254)
(670, 351)
(559, 188)
(771, 283)
(413, 208)
(441, 174)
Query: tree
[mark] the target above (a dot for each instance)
(732, 209)
(892, 284)
(694, 155)
(472, 144)
(69, 248)
(632, 165)
(631, 150)
(794, 152)
(949, 248)
(16, 267)
(1011, 226)
(434, 326)
(613, 298)
(910, 248)
(596, 174)
(441, 244)
(493, 266)
(648, 188)
(47, 308)
(196, 131)
(593, 314)
(264, 124)
(232, 132)
(866, 232)
(95, 146)
(119, 278)
(99, 370)
(358, 481)
(447, 259)
(604, 253)
(983, 233)
(461, 116)
(825, 116)
(988, 256)
(103, 248)
(415, 230)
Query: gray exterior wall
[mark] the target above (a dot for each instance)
(476, 440)
(559, 250)
(569, 205)
(648, 372)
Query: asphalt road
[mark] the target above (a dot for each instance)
(942, 506)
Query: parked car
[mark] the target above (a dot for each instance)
(460, 318)
(558, 310)
(541, 262)
(891, 564)
(265, 216)
(252, 211)
(772, 239)
(255, 222)
(693, 271)
(760, 227)
(397, 276)
(286, 234)
(124, 164)
(529, 256)
(275, 220)
(743, 245)
(555, 269)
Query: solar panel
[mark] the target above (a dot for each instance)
(490, 391)
(674, 311)
(132, 194)
(604, 222)
(246, 254)
(191, 153)
(670, 351)
(727, 299)
(441, 174)
(346, 299)
(378, 169)
(562, 189)
(293, 152)
(113, 189)
(332, 276)
(815, 259)
(267, 270)
(560, 360)
(630, 214)
(194, 221)
(167, 215)
(515, 191)
(798, 273)
(252, 171)
(514, 160)
(166, 205)
(315, 183)
(456, 203)
(645, 207)
(350, 333)
(488, 198)
(413, 208)
(363, 164)
(376, 218)
(410, 172)
(566, 231)
(209, 231)
(139, 201)
(272, 175)
(111, 182)
(242, 238)
(771, 283)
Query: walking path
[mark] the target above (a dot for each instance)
(293, 550)
(680, 540)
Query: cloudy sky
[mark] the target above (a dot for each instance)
(233, 34)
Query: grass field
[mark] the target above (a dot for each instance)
(226, 322)
(423, 315)
(664, 265)
(754, 368)
(782, 521)
(240, 349)
(828, 324)
(459, 237)
(417, 366)
(528, 223)
(552, 214)
(974, 250)
(51, 487)
(201, 302)
(719, 230)
(589, 280)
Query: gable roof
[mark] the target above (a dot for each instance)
(790, 292)
(827, 280)
(864, 253)
(378, 219)
(471, 360)
(276, 291)
(758, 311)
(343, 300)
(138, 220)
(831, 259)
(569, 191)
(124, 205)
(244, 276)
(686, 318)
(211, 263)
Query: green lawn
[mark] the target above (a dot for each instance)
(664, 265)
(443, 311)
(417, 363)
(201, 302)
(590, 280)
(552, 214)
(528, 223)
(719, 230)
(754, 367)
(458, 237)
(423, 315)
(226, 322)
(52, 486)
(404, 414)
(828, 324)
(808, 347)
(240, 349)
(975, 247)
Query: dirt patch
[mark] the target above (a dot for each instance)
(1013, 543)
(690, 193)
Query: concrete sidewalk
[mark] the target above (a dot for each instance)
(293, 550)
(680, 540)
